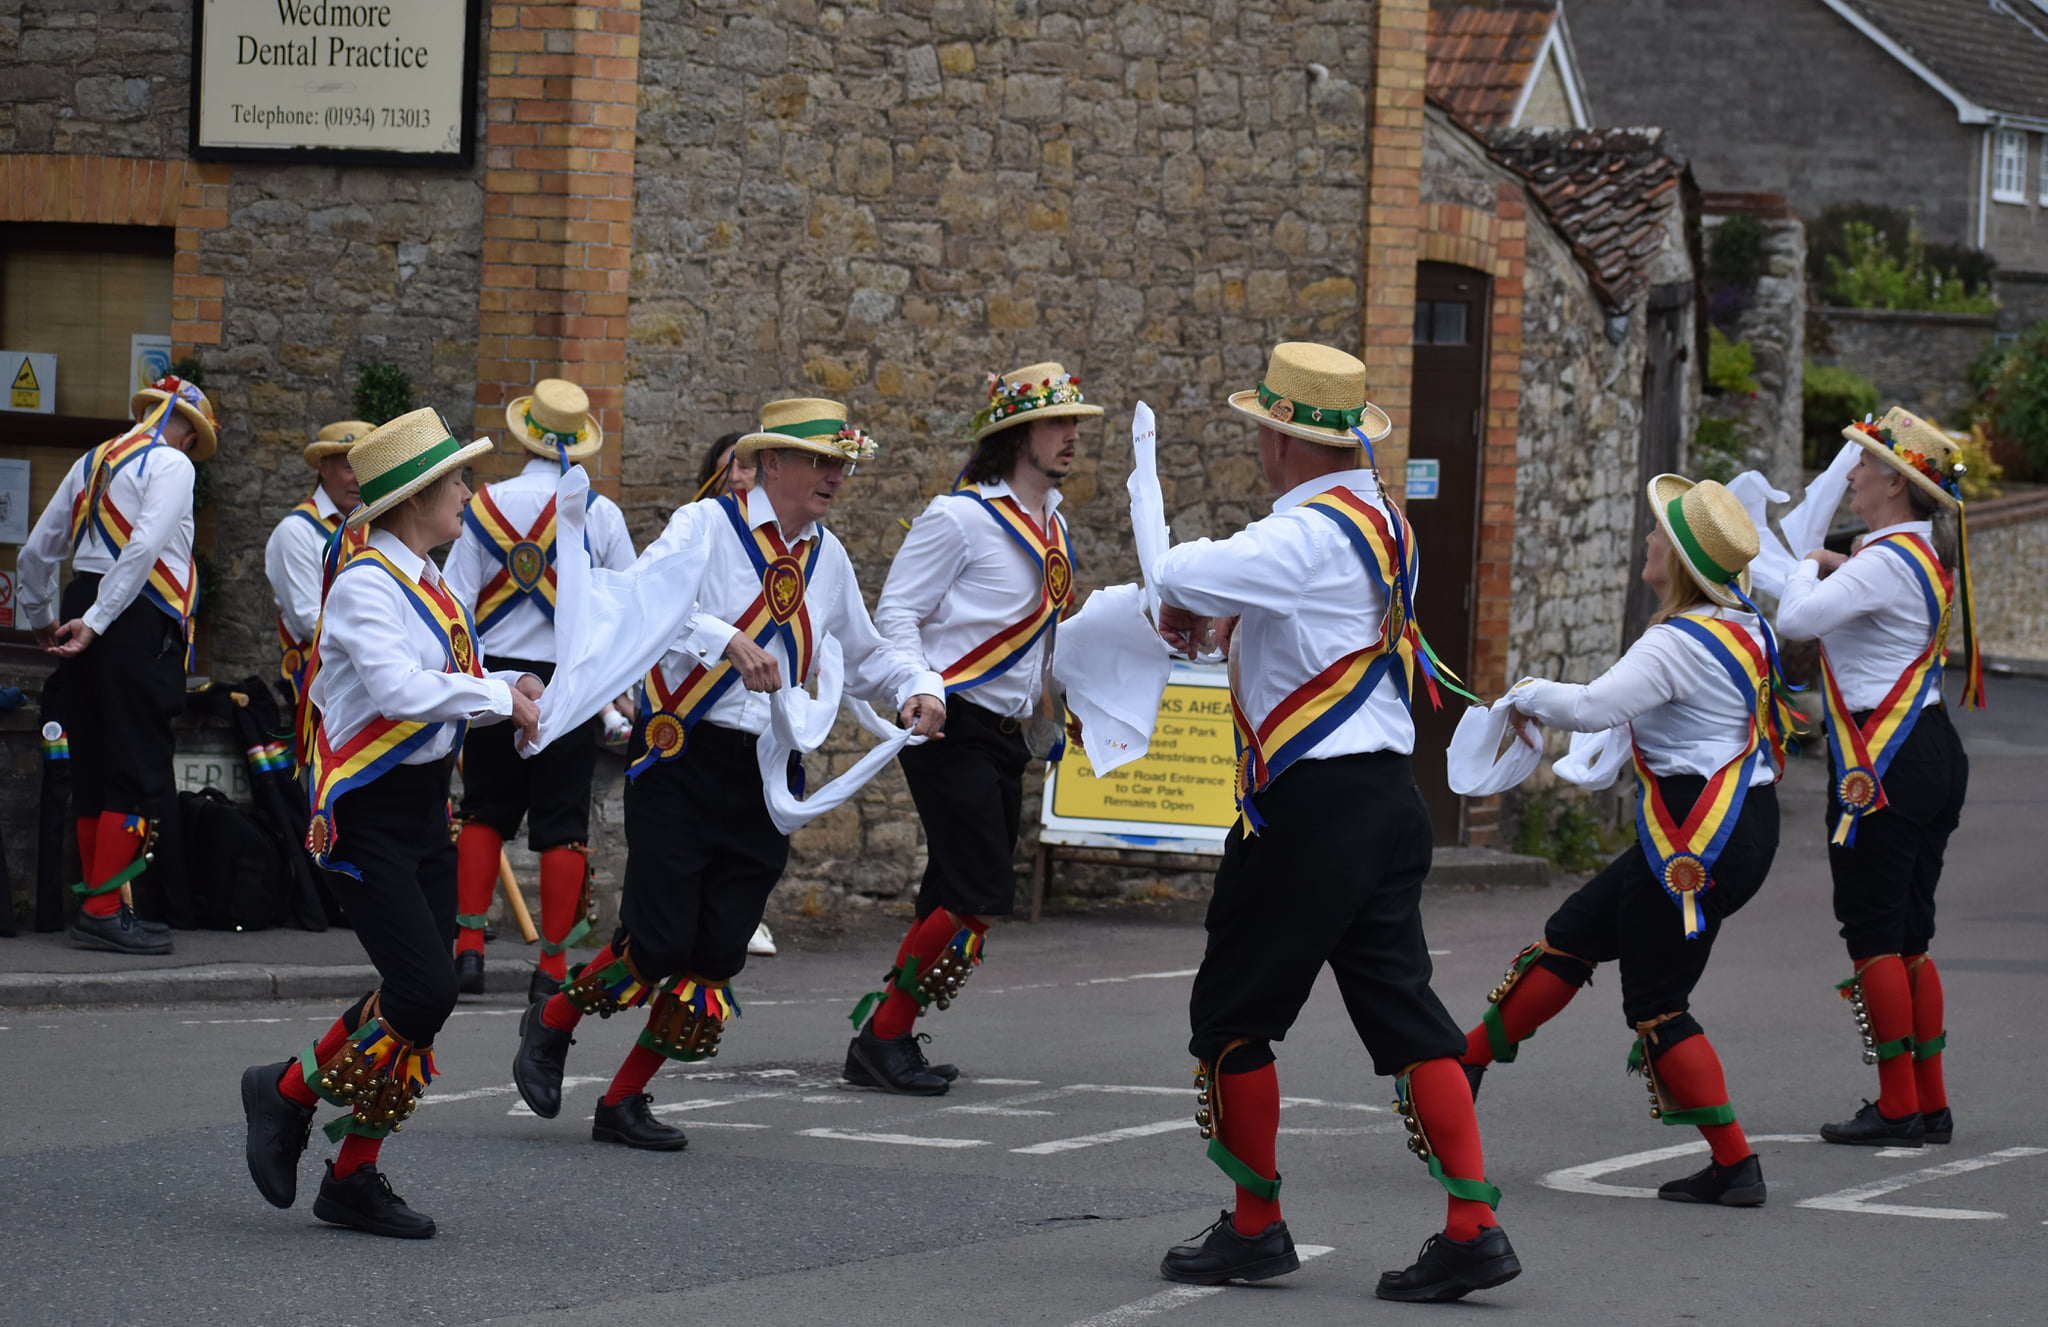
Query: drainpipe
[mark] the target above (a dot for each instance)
(1984, 184)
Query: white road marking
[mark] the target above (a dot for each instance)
(899, 1139)
(722, 1124)
(713, 1103)
(1174, 1297)
(1585, 1178)
(224, 1022)
(1005, 1082)
(1900, 1153)
(1107, 1136)
(1437, 953)
(1321, 1104)
(1127, 1089)
(468, 1094)
(1857, 1198)
(1354, 1131)
(993, 1110)
(1159, 976)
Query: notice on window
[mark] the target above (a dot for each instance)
(1178, 797)
(29, 382)
(149, 359)
(1424, 476)
(317, 79)
(15, 515)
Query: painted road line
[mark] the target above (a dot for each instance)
(1857, 1198)
(1585, 1178)
(1107, 1136)
(992, 1110)
(1349, 1131)
(467, 1094)
(897, 1139)
(1167, 1300)
(1126, 1089)
(713, 1103)
(722, 1124)
(1321, 1104)
(1004, 1082)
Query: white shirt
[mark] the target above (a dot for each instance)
(1306, 600)
(1685, 710)
(155, 494)
(876, 670)
(378, 658)
(960, 579)
(525, 632)
(295, 562)
(1870, 615)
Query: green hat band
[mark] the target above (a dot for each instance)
(1709, 568)
(398, 476)
(810, 428)
(559, 439)
(1316, 416)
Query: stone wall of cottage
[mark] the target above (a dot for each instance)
(1774, 325)
(1917, 360)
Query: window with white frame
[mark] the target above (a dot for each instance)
(2009, 166)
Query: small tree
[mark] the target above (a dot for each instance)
(383, 391)
(2012, 385)
(1833, 399)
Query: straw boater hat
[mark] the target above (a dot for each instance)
(187, 400)
(1711, 531)
(808, 424)
(1917, 449)
(399, 459)
(556, 418)
(1314, 392)
(335, 439)
(1036, 391)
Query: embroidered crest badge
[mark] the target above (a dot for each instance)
(1059, 577)
(527, 564)
(784, 585)
(459, 646)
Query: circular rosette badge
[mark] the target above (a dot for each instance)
(460, 647)
(784, 586)
(1059, 577)
(665, 736)
(293, 662)
(320, 834)
(1857, 790)
(527, 562)
(1685, 874)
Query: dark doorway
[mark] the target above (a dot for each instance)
(1449, 395)
(1663, 428)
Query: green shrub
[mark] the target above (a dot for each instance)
(383, 391)
(1730, 364)
(1871, 274)
(1735, 254)
(1568, 832)
(1834, 398)
(2012, 381)
(1719, 445)
(1824, 241)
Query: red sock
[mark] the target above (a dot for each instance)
(899, 1012)
(1443, 1103)
(1889, 1000)
(1248, 1122)
(88, 832)
(633, 1075)
(293, 1081)
(115, 844)
(1928, 1016)
(356, 1151)
(563, 1016)
(1690, 1074)
(1534, 1001)
(561, 889)
(476, 875)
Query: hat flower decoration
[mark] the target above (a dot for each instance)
(1042, 389)
(1886, 431)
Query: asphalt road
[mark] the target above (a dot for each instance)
(1044, 1188)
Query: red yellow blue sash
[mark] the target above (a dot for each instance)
(1321, 705)
(1050, 552)
(384, 743)
(668, 714)
(1682, 855)
(295, 655)
(1859, 756)
(525, 558)
(93, 512)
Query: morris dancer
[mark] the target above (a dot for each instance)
(1326, 863)
(395, 679)
(123, 638)
(978, 587)
(1898, 769)
(703, 852)
(1700, 694)
(502, 570)
(295, 559)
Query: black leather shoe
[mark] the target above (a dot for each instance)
(1941, 1126)
(632, 1123)
(153, 928)
(1872, 1129)
(121, 933)
(1451, 1269)
(1739, 1185)
(1473, 1074)
(537, 1064)
(1224, 1255)
(541, 987)
(469, 972)
(278, 1129)
(365, 1201)
(896, 1065)
(855, 1074)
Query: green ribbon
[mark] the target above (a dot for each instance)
(1315, 416)
(810, 428)
(379, 487)
(349, 1124)
(1711, 569)
(1893, 1049)
(576, 932)
(1928, 1049)
(1702, 1116)
(868, 1004)
(472, 921)
(904, 979)
(1243, 1176)
(561, 440)
(1472, 1191)
(1504, 1051)
(115, 881)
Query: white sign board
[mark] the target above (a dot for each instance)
(225, 770)
(28, 383)
(390, 81)
(1424, 476)
(1179, 797)
(14, 501)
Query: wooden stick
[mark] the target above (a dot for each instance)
(510, 884)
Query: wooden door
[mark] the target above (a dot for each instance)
(1663, 428)
(1449, 395)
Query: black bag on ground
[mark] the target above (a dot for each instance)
(239, 880)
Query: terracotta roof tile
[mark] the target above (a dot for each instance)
(1480, 59)
(1608, 192)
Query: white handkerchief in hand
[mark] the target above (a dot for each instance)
(1806, 525)
(800, 723)
(1772, 564)
(1595, 758)
(1148, 504)
(1114, 668)
(1475, 763)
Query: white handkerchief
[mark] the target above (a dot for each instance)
(1114, 668)
(1475, 763)
(1148, 504)
(799, 723)
(1595, 758)
(1772, 564)
(1806, 525)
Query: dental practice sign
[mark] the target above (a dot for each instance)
(387, 82)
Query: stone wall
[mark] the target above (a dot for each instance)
(883, 204)
(2009, 565)
(1917, 360)
(106, 77)
(1774, 325)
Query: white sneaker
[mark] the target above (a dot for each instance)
(763, 943)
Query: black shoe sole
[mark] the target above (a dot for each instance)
(600, 1134)
(336, 1215)
(857, 1074)
(83, 940)
(1265, 1269)
(252, 1088)
(1494, 1272)
(880, 1083)
(1827, 1137)
(1942, 1139)
(1747, 1195)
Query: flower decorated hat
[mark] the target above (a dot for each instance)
(1919, 449)
(336, 439)
(1712, 532)
(555, 421)
(187, 400)
(808, 424)
(1036, 391)
(398, 459)
(1315, 392)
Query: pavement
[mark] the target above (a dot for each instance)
(1045, 1186)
